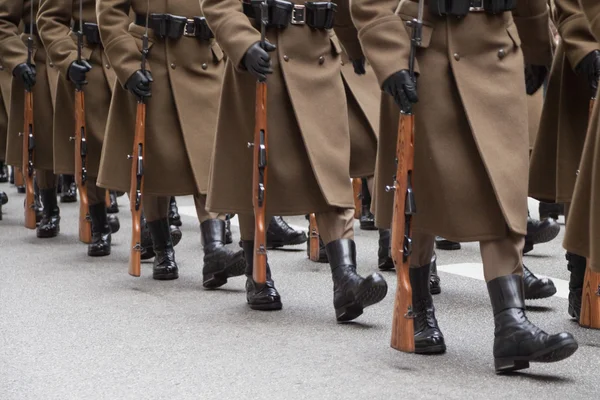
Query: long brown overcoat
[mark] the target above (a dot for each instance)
(471, 138)
(557, 152)
(13, 52)
(4, 108)
(309, 141)
(583, 225)
(55, 19)
(182, 112)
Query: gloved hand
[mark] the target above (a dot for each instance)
(403, 88)
(139, 83)
(26, 73)
(257, 60)
(77, 72)
(359, 66)
(589, 67)
(535, 75)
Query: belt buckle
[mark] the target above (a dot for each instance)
(298, 14)
(476, 6)
(187, 31)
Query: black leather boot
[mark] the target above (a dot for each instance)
(540, 232)
(174, 217)
(37, 202)
(164, 267)
(517, 342)
(443, 244)
(351, 292)
(220, 263)
(551, 210)
(113, 222)
(101, 239)
(49, 226)
(147, 245)
(384, 254)
(577, 265)
(367, 219)
(537, 288)
(428, 337)
(435, 286)
(11, 177)
(280, 234)
(228, 235)
(114, 205)
(3, 172)
(3, 198)
(69, 189)
(263, 297)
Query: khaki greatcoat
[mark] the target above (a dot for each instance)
(5, 79)
(13, 51)
(583, 225)
(308, 134)
(54, 22)
(471, 139)
(557, 153)
(182, 112)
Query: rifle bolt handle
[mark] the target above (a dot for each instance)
(129, 156)
(250, 145)
(390, 188)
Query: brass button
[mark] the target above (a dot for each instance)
(173, 66)
(342, 62)
(51, 65)
(286, 58)
(321, 60)
(501, 54)
(457, 56)
(107, 66)
(204, 66)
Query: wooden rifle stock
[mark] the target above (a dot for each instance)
(107, 198)
(590, 301)
(85, 223)
(357, 188)
(28, 154)
(137, 188)
(314, 238)
(259, 181)
(403, 335)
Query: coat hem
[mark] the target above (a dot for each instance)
(483, 237)
(125, 189)
(278, 212)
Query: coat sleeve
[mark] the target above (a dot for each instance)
(232, 28)
(382, 35)
(54, 25)
(119, 45)
(591, 9)
(12, 49)
(532, 19)
(574, 30)
(346, 31)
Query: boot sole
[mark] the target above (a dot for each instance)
(368, 227)
(558, 352)
(354, 309)
(574, 313)
(166, 277)
(219, 278)
(176, 237)
(48, 235)
(296, 241)
(267, 307)
(449, 246)
(435, 349)
(548, 291)
(176, 222)
(435, 290)
(110, 210)
(99, 254)
(68, 200)
(545, 235)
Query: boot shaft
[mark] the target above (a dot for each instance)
(49, 202)
(99, 218)
(506, 292)
(213, 234)
(161, 235)
(577, 265)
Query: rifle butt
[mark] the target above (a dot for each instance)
(590, 301)
(85, 221)
(19, 181)
(107, 198)
(29, 208)
(357, 189)
(314, 238)
(135, 257)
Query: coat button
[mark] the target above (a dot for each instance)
(173, 66)
(204, 66)
(286, 58)
(321, 60)
(107, 66)
(501, 54)
(51, 65)
(342, 63)
(1, 67)
(457, 56)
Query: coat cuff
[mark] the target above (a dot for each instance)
(236, 37)
(577, 40)
(125, 57)
(535, 38)
(13, 53)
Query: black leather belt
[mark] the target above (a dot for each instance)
(315, 14)
(28, 29)
(460, 8)
(174, 27)
(90, 31)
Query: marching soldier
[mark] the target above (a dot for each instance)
(13, 53)
(470, 69)
(309, 144)
(4, 103)
(583, 224)
(181, 86)
(557, 153)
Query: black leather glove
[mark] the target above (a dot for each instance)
(403, 88)
(535, 75)
(257, 60)
(589, 67)
(359, 66)
(77, 72)
(26, 73)
(139, 83)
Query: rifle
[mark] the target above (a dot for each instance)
(259, 174)
(80, 138)
(28, 137)
(357, 189)
(313, 255)
(590, 301)
(403, 333)
(137, 168)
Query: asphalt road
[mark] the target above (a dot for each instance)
(73, 327)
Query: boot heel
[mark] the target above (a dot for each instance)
(348, 312)
(504, 365)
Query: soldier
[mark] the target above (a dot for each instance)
(13, 53)
(557, 152)
(583, 221)
(4, 103)
(181, 87)
(57, 21)
(471, 105)
(309, 142)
